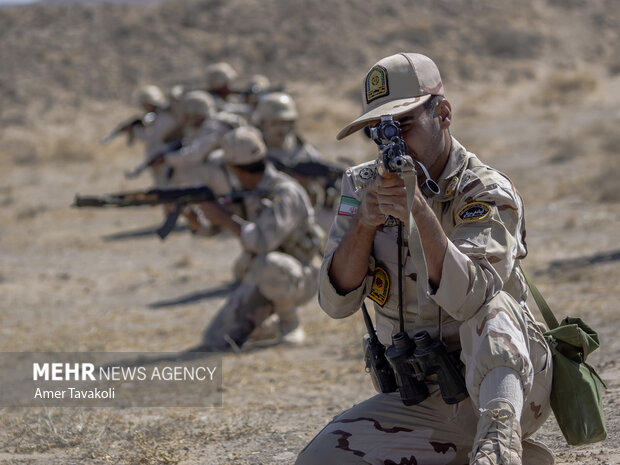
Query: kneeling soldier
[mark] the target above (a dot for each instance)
(281, 242)
(466, 294)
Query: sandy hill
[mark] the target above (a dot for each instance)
(70, 55)
(536, 90)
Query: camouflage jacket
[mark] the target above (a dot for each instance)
(295, 151)
(481, 213)
(280, 218)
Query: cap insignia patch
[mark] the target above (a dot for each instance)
(474, 211)
(376, 83)
(380, 286)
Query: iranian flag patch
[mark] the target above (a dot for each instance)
(348, 206)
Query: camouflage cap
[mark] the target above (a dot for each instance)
(243, 146)
(395, 85)
(275, 105)
(151, 95)
(218, 75)
(197, 102)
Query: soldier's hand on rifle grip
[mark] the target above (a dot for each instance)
(215, 212)
(392, 197)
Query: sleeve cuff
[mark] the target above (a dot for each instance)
(335, 304)
(455, 280)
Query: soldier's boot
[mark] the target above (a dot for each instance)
(536, 453)
(268, 330)
(290, 330)
(498, 437)
(245, 309)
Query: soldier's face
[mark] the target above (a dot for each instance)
(193, 121)
(275, 131)
(422, 134)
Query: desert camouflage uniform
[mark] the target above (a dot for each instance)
(279, 266)
(164, 129)
(190, 165)
(482, 296)
(293, 151)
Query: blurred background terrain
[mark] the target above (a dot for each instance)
(535, 86)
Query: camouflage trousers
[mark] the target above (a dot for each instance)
(274, 282)
(382, 430)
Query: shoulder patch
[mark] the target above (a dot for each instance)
(451, 185)
(348, 206)
(380, 286)
(474, 211)
(376, 83)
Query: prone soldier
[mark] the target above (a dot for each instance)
(451, 286)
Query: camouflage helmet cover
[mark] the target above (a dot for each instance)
(151, 95)
(218, 75)
(275, 106)
(243, 146)
(197, 102)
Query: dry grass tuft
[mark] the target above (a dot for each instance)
(69, 149)
(157, 447)
(562, 87)
(51, 429)
(184, 262)
(607, 182)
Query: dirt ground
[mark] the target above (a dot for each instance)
(86, 280)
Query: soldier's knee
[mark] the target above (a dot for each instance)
(279, 276)
(324, 450)
(497, 335)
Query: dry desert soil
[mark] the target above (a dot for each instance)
(535, 88)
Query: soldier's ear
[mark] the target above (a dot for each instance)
(444, 113)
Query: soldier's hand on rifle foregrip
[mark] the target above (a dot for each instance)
(369, 213)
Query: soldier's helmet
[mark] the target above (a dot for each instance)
(219, 75)
(275, 106)
(176, 92)
(258, 83)
(243, 146)
(151, 95)
(197, 103)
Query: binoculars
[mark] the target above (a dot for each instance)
(410, 362)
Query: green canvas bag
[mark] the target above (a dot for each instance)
(576, 394)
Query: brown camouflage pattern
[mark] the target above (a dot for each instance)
(279, 264)
(482, 298)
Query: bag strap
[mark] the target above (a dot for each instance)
(543, 306)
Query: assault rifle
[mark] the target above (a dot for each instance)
(127, 126)
(179, 197)
(167, 148)
(310, 169)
